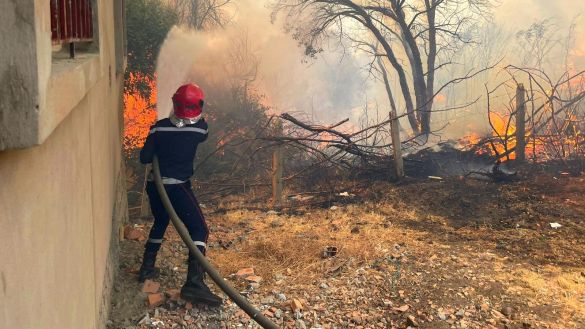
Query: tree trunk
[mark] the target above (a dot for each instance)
(431, 58)
(520, 123)
(405, 89)
(416, 68)
(394, 129)
(277, 184)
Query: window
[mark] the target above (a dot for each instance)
(71, 21)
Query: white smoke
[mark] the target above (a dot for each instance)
(329, 88)
(180, 51)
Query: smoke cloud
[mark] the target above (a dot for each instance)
(336, 85)
(327, 88)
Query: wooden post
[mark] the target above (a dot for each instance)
(144, 204)
(277, 184)
(396, 145)
(394, 125)
(520, 123)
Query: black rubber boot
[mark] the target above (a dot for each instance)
(195, 290)
(147, 270)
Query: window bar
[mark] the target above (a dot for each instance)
(62, 20)
(71, 21)
(55, 33)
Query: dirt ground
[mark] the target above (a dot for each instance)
(452, 253)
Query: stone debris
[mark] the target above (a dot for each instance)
(173, 294)
(296, 304)
(414, 280)
(402, 308)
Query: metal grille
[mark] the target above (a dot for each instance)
(71, 21)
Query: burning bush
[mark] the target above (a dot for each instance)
(139, 112)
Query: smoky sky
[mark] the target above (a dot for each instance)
(337, 85)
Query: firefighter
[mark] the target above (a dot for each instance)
(174, 141)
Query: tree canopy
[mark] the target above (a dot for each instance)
(148, 22)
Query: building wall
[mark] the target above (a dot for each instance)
(18, 74)
(62, 202)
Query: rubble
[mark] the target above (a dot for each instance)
(254, 278)
(150, 287)
(423, 271)
(245, 272)
(155, 300)
(296, 305)
(132, 233)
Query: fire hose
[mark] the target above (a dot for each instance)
(234, 295)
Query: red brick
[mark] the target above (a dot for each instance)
(131, 233)
(150, 287)
(254, 278)
(155, 300)
(245, 272)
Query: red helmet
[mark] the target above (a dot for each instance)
(188, 101)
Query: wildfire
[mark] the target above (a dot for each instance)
(503, 141)
(139, 112)
(505, 132)
(471, 141)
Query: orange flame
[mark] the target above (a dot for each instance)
(139, 112)
(505, 131)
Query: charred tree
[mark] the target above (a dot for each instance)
(414, 37)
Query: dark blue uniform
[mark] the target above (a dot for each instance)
(175, 148)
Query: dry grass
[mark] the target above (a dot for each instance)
(293, 245)
(417, 224)
(565, 289)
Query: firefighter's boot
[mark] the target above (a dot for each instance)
(147, 270)
(195, 290)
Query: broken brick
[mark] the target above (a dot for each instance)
(150, 287)
(155, 300)
(296, 304)
(254, 278)
(131, 233)
(245, 272)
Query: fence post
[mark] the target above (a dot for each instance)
(144, 204)
(277, 159)
(520, 123)
(397, 148)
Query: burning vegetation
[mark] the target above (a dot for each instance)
(139, 110)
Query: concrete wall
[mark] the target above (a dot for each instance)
(62, 202)
(18, 75)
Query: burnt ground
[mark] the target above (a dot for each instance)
(452, 253)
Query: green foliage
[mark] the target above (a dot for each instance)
(148, 22)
